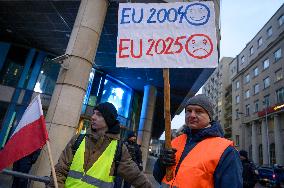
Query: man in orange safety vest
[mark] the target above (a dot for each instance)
(201, 157)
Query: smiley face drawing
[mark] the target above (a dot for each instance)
(199, 46)
(197, 14)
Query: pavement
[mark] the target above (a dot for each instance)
(149, 171)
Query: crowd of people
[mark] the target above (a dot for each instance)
(200, 155)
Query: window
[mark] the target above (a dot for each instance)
(272, 154)
(278, 75)
(119, 95)
(238, 84)
(247, 78)
(237, 113)
(237, 99)
(260, 153)
(243, 59)
(47, 77)
(266, 82)
(247, 94)
(256, 105)
(277, 54)
(251, 50)
(256, 88)
(265, 64)
(266, 101)
(237, 140)
(281, 20)
(247, 110)
(259, 130)
(259, 42)
(255, 71)
(3, 109)
(13, 66)
(269, 32)
(280, 95)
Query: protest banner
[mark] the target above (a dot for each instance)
(167, 35)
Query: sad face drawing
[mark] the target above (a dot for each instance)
(199, 46)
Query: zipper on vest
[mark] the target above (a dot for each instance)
(180, 159)
(179, 162)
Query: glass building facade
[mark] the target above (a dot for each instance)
(104, 88)
(25, 72)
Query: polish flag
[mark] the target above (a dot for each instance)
(29, 135)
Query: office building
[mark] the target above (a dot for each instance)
(258, 94)
(215, 88)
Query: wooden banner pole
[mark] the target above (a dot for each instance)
(52, 165)
(167, 116)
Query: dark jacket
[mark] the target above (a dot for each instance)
(249, 176)
(94, 148)
(24, 165)
(228, 172)
(134, 151)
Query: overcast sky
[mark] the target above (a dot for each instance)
(240, 22)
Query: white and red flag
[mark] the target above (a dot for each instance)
(30, 135)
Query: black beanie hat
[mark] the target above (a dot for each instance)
(243, 153)
(109, 113)
(130, 134)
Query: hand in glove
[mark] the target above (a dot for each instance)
(168, 157)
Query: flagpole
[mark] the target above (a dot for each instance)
(51, 164)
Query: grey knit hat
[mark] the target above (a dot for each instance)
(203, 101)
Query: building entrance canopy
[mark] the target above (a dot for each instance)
(47, 25)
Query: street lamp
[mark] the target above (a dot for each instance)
(267, 132)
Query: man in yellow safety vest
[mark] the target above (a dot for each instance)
(98, 156)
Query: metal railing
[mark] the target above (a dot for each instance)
(43, 179)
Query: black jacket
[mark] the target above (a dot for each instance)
(134, 151)
(249, 176)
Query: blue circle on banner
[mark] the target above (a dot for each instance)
(199, 14)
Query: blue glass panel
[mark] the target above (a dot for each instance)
(88, 90)
(36, 70)
(28, 63)
(117, 94)
(4, 48)
(14, 65)
(47, 77)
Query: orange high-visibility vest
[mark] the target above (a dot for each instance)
(197, 168)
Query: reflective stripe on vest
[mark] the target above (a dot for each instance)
(97, 175)
(197, 168)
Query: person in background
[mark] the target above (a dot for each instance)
(201, 157)
(249, 175)
(24, 165)
(134, 151)
(99, 157)
(136, 155)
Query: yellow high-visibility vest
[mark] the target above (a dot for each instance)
(97, 175)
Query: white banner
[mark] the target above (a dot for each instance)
(167, 35)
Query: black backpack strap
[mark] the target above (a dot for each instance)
(77, 143)
(117, 156)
